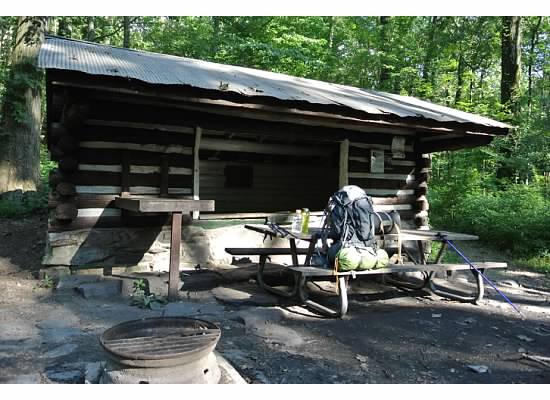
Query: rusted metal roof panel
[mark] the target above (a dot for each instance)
(96, 59)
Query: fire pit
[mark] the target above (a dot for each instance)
(161, 350)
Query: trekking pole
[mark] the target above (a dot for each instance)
(472, 266)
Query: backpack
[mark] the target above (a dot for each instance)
(349, 216)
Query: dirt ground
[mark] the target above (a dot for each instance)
(389, 335)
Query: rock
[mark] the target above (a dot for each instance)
(184, 309)
(244, 294)
(93, 372)
(61, 351)
(103, 289)
(525, 338)
(272, 332)
(261, 315)
(22, 379)
(480, 369)
(229, 375)
(66, 376)
(70, 282)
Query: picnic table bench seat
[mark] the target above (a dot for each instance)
(303, 273)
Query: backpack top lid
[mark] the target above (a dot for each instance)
(352, 192)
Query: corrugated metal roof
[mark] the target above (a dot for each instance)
(154, 68)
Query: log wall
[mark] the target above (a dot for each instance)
(107, 149)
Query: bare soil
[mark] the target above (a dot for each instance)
(389, 335)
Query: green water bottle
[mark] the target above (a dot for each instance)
(305, 220)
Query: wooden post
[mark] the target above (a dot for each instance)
(196, 168)
(164, 168)
(343, 169)
(423, 168)
(175, 246)
(125, 175)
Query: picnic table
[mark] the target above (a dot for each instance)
(302, 273)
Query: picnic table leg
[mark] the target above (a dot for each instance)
(478, 294)
(175, 246)
(263, 285)
(294, 252)
(320, 308)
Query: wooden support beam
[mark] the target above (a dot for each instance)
(175, 248)
(196, 168)
(164, 175)
(344, 164)
(125, 175)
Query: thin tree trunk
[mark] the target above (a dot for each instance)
(126, 42)
(511, 63)
(90, 30)
(20, 134)
(459, 78)
(384, 77)
(534, 37)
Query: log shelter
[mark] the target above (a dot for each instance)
(136, 132)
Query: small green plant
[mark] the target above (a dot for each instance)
(45, 283)
(141, 299)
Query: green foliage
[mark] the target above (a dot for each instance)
(143, 299)
(46, 283)
(514, 219)
(31, 202)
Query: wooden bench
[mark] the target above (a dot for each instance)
(304, 273)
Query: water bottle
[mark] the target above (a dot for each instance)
(297, 221)
(305, 220)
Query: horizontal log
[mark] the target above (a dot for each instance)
(134, 169)
(68, 164)
(86, 178)
(114, 157)
(398, 177)
(134, 135)
(408, 148)
(133, 190)
(55, 177)
(65, 189)
(138, 204)
(388, 192)
(454, 144)
(86, 200)
(57, 130)
(393, 200)
(142, 126)
(383, 183)
(113, 222)
(263, 148)
(74, 115)
(155, 148)
(68, 144)
(66, 211)
(97, 212)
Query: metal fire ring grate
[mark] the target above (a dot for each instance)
(158, 342)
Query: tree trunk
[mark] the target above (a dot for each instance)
(126, 23)
(90, 30)
(511, 63)
(534, 37)
(20, 134)
(64, 27)
(384, 77)
(459, 78)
